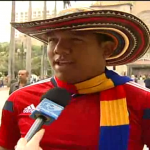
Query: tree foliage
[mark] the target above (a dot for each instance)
(20, 58)
(4, 49)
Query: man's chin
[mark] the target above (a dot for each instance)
(65, 77)
(22, 80)
(62, 76)
(68, 78)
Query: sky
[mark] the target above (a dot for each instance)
(5, 17)
(5, 13)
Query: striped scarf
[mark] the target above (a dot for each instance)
(114, 120)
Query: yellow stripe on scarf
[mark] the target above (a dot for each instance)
(97, 84)
(114, 113)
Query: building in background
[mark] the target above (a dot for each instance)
(141, 10)
(142, 66)
(21, 15)
(125, 6)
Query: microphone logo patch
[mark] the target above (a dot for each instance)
(49, 108)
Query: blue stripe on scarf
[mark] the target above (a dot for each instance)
(110, 137)
(117, 79)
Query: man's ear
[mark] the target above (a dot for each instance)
(108, 48)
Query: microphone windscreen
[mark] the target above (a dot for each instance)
(58, 95)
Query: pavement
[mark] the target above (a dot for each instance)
(4, 93)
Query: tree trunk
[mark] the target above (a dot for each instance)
(11, 62)
(44, 49)
(55, 9)
(22, 52)
(28, 53)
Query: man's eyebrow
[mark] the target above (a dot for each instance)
(74, 33)
(78, 33)
(50, 34)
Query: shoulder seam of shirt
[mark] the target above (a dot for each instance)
(132, 83)
(39, 82)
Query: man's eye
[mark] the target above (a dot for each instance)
(52, 40)
(76, 40)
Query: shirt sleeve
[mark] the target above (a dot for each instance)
(9, 130)
(146, 121)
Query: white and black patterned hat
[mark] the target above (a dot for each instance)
(131, 35)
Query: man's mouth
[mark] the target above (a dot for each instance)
(64, 62)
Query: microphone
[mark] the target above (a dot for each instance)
(51, 105)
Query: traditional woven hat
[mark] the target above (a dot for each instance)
(131, 35)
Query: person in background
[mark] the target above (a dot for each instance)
(141, 81)
(46, 77)
(22, 81)
(39, 78)
(136, 79)
(147, 82)
(1, 82)
(133, 77)
(107, 111)
(140, 78)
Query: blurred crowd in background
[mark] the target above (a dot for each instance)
(33, 79)
(143, 80)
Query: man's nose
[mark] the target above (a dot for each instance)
(62, 47)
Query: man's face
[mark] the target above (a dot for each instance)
(75, 56)
(22, 75)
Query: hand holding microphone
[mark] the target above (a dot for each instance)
(51, 106)
(33, 144)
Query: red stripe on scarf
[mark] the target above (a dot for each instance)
(112, 94)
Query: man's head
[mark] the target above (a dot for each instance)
(23, 75)
(78, 56)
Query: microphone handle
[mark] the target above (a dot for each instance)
(35, 128)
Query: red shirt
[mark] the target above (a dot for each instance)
(77, 128)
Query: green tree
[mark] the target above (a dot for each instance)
(36, 61)
(20, 60)
(4, 48)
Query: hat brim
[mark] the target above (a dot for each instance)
(131, 34)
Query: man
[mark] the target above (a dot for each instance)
(1, 82)
(147, 82)
(107, 111)
(22, 81)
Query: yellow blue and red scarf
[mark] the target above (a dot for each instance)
(114, 119)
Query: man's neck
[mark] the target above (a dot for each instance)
(21, 83)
